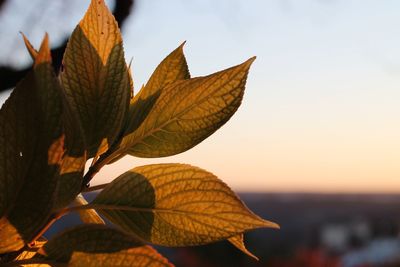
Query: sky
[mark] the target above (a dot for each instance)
(321, 111)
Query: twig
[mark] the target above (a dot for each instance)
(95, 188)
(52, 220)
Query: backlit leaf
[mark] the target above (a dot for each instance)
(32, 51)
(74, 159)
(187, 112)
(97, 245)
(173, 68)
(31, 145)
(175, 205)
(73, 153)
(238, 242)
(95, 76)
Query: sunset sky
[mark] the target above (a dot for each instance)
(322, 105)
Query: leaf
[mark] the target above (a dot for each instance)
(97, 245)
(31, 145)
(175, 205)
(74, 154)
(187, 112)
(70, 180)
(32, 51)
(74, 159)
(173, 68)
(95, 76)
(238, 242)
(87, 216)
(11, 239)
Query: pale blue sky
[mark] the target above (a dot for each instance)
(321, 110)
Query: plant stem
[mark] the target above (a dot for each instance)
(95, 188)
(103, 160)
(52, 220)
(121, 208)
(104, 207)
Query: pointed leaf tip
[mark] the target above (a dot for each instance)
(238, 242)
(31, 50)
(182, 44)
(101, 29)
(44, 54)
(270, 224)
(250, 61)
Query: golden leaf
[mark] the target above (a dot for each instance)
(95, 76)
(175, 205)
(187, 112)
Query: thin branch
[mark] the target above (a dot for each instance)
(126, 208)
(103, 207)
(95, 188)
(52, 220)
(103, 160)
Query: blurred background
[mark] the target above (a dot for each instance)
(315, 145)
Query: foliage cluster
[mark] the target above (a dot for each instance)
(52, 124)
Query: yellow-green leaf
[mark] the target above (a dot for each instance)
(31, 145)
(97, 245)
(95, 76)
(175, 205)
(87, 216)
(173, 68)
(238, 242)
(187, 112)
